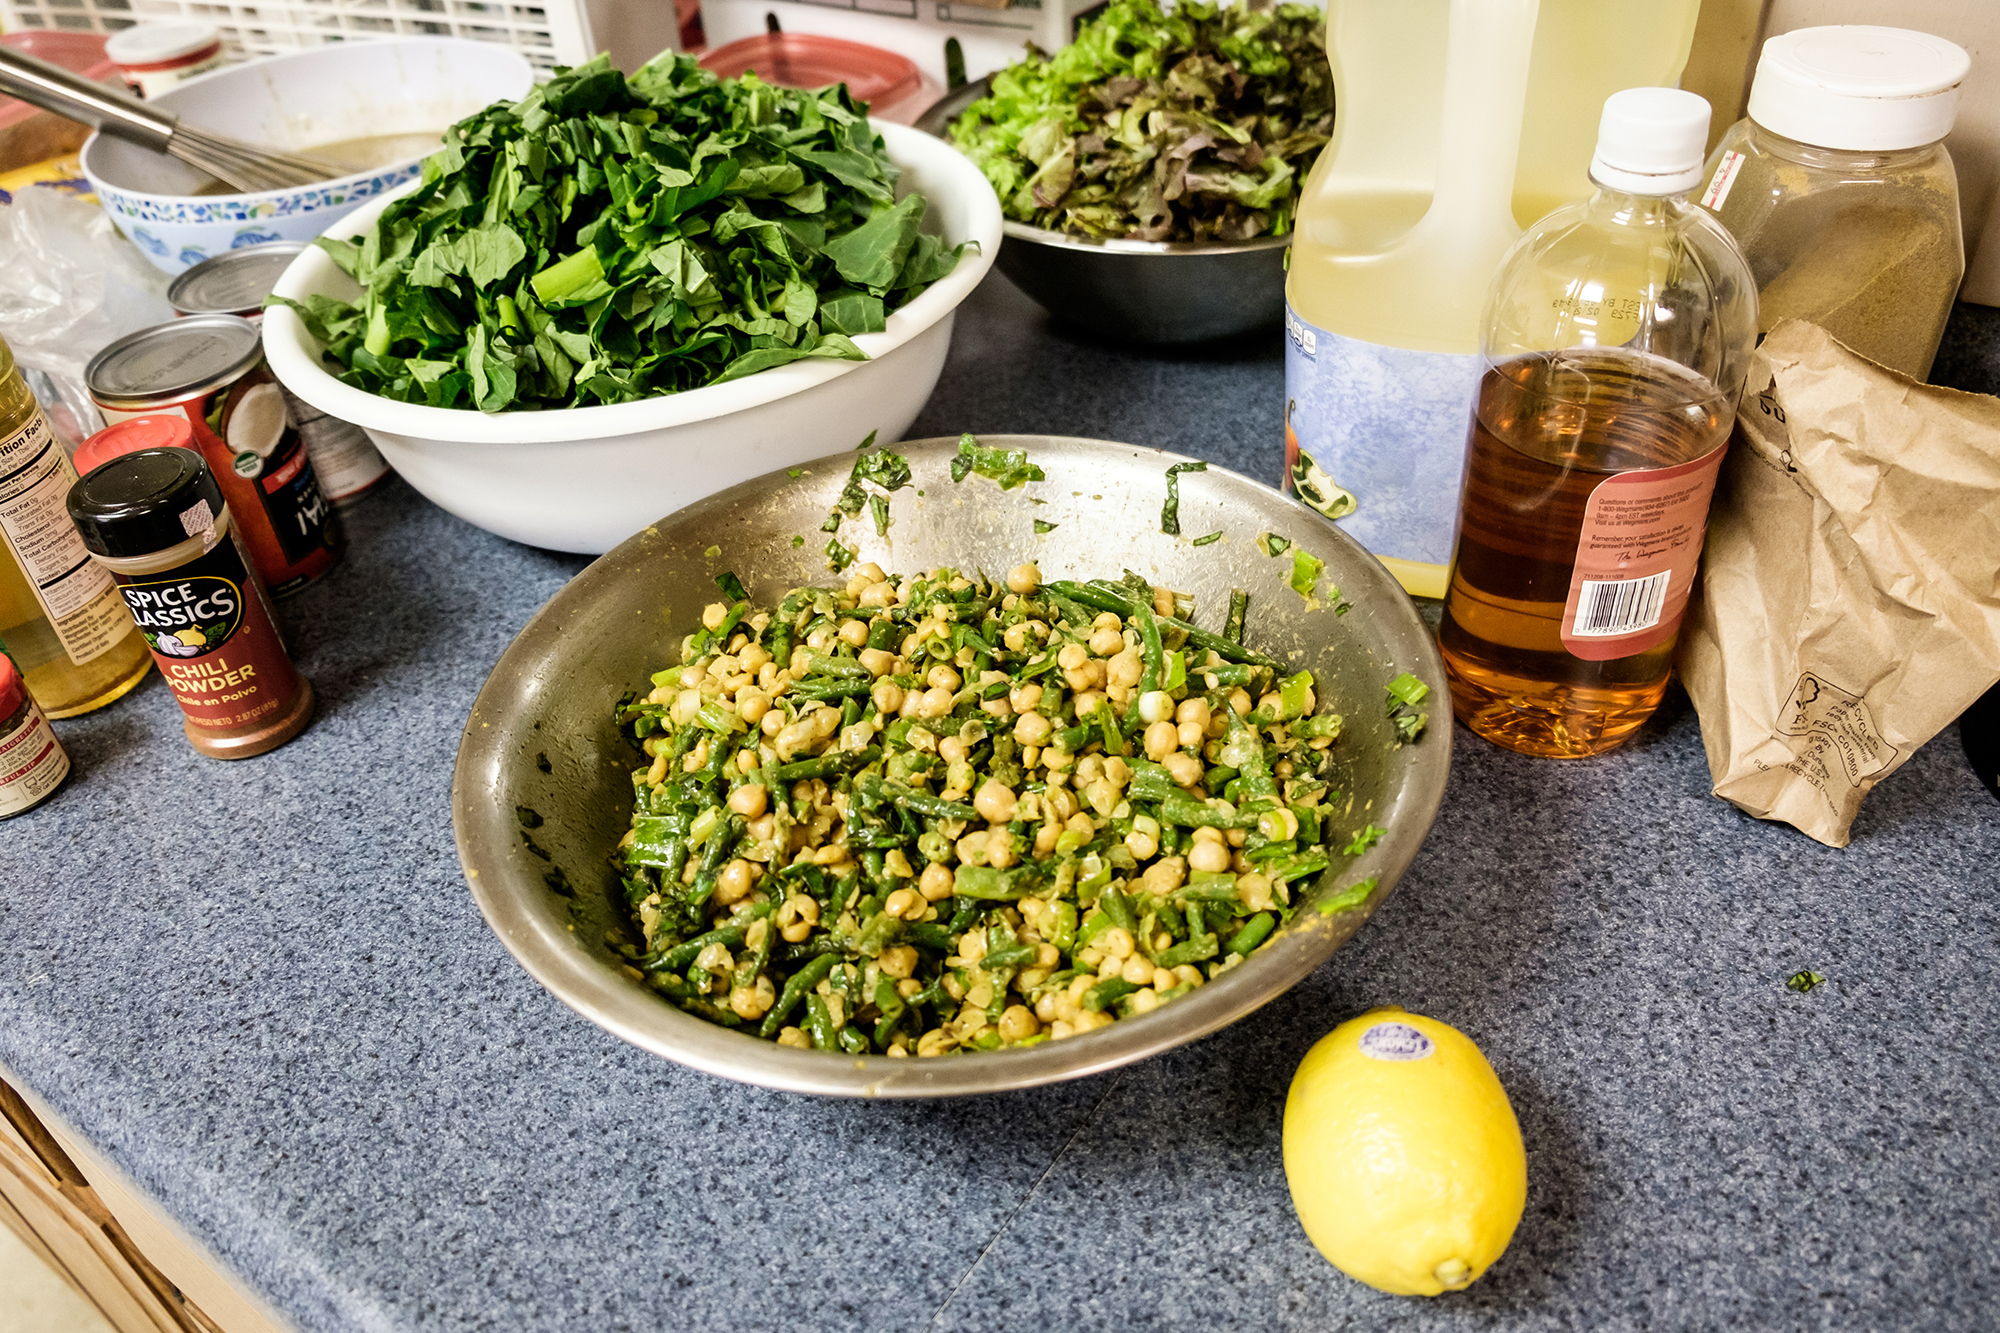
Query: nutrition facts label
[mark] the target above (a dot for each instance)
(77, 594)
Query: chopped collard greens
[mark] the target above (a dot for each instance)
(1195, 123)
(919, 815)
(608, 239)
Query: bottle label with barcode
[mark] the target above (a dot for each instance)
(1636, 558)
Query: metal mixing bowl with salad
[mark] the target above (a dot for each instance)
(914, 815)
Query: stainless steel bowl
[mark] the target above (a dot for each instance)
(542, 790)
(1137, 291)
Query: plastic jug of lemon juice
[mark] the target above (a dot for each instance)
(1457, 123)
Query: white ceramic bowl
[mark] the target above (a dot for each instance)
(328, 94)
(586, 478)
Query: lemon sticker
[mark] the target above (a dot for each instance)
(1395, 1041)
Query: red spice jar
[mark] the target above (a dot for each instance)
(157, 520)
(32, 761)
(210, 370)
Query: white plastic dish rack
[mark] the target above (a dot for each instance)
(555, 32)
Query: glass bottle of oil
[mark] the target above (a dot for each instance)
(60, 612)
(1618, 334)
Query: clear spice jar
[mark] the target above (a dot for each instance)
(1839, 189)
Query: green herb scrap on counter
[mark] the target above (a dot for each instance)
(606, 239)
(917, 815)
(1197, 123)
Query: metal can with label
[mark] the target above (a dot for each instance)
(236, 283)
(157, 520)
(210, 369)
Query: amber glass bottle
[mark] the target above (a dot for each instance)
(60, 611)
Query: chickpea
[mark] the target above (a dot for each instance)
(1017, 1023)
(1024, 579)
(942, 677)
(1106, 641)
(1239, 701)
(935, 883)
(1144, 1001)
(1024, 698)
(853, 633)
(936, 702)
(1088, 676)
(1046, 838)
(771, 723)
(753, 1001)
(734, 883)
(1116, 771)
(715, 959)
(794, 1037)
(1033, 729)
(751, 705)
(1071, 656)
(971, 849)
(1183, 768)
(905, 905)
(713, 615)
(1102, 796)
(996, 802)
(877, 595)
(1138, 970)
(934, 1042)
(1016, 637)
(1088, 702)
(1193, 710)
(1144, 839)
(1118, 943)
(749, 799)
(1164, 876)
(870, 571)
(1161, 741)
(1189, 735)
(1187, 974)
(898, 961)
(1254, 891)
(888, 697)
(1208, 858)
(952, 750)
(879, 661)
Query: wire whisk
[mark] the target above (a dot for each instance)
(239, 165)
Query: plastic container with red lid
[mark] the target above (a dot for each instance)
(32, 761)
(893, 86)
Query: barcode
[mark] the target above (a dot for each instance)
(1620, 606)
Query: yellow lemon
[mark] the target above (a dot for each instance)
(193, 638)
(1403, 1155)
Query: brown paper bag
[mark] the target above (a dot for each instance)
(1850, 599)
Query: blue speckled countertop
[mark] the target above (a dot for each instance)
(263, 991)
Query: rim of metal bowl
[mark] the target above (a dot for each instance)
(544, 946)
(938, 118)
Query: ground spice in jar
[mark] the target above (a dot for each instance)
(156, 519)
(1839, 189)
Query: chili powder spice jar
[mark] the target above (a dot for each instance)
(157, 520)
(32, 761)
(210, 369)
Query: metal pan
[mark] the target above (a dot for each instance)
(541, 739)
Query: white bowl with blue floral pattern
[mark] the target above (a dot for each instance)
(327, 95)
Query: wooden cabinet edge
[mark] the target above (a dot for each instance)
(128, 1260)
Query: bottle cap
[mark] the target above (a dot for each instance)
(1859, 87)
(151, 45)
(12, 688)
(129, 437)
(1651, 141)
(140, 503)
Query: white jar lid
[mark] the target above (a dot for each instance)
(156, 43)
(1858, 87)
(1651, 141)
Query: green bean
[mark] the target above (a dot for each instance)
(876, 790)
(839, 688)
(1253, 933)
(819, 1023)
(796, 989)
(1104, 992)
(828, 765)
(1149, 639)
(1199, 949)
(1239, 606)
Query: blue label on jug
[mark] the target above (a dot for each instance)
(1375, 437)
